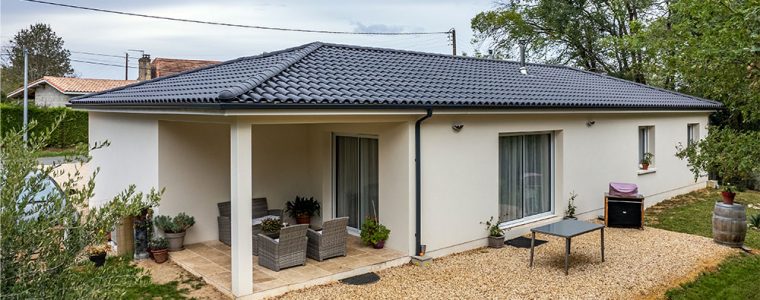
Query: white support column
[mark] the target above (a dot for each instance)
(241, 193)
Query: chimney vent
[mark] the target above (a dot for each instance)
(143, 72)
(523, 68)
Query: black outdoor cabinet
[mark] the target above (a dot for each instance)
(624, 211)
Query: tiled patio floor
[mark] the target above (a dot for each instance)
(211, 261)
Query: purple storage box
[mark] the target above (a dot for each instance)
(620, 189)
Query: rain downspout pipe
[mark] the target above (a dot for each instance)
(418, 181)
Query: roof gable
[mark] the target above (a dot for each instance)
(320, 74)
(74, 86)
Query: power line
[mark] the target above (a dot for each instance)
(233, 25)
(100, 54)
(100, 63)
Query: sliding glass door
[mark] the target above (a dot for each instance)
(525, 176)
(356, 171)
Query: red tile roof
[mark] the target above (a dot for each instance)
(169, 66)
(76, 86)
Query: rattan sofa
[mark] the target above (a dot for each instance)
(287, 251)
(259, 209)
(328, 242)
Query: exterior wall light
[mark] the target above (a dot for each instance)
(457, 126)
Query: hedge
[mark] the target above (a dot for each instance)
(71, 131)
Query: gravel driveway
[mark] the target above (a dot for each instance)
(639, 264)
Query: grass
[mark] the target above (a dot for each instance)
(737, 277)
(120, 278)
(55, 152)
(692, 213)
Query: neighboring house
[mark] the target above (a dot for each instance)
(160, 67)
(54, 91)
(348, 125)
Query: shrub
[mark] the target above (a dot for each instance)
(71, 131)
(373, 232)
(158, 244)
(180, 223)
(493, 228)
(302, 206)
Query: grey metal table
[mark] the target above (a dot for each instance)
(567, 229)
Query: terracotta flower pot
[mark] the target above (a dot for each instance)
(728, 197)
(303, 219)
(176, 241)
(379, 245)
(645, 167)
(99, 259)
(160, 255)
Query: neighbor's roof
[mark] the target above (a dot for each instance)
(331, 75)
(170, 66)
(74, 86)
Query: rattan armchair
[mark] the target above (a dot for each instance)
(287, 251)
(259, 208)
(330, 241)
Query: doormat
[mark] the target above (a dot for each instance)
(362, 279)
(523, 242)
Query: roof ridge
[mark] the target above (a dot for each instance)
(266, 54)
(245, 85)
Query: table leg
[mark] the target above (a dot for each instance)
(567, 254)
(602, 244)
(532, 243)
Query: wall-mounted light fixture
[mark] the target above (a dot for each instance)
(457, 126)
(590, 123)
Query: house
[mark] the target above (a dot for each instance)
(431, 144)
(148, 69)
(55, 91)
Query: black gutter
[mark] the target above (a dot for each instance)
(418, 181)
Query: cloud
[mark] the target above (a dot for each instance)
(376, 28)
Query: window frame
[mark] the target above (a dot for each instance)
(552, 180)
(646, 143)
(692, 133)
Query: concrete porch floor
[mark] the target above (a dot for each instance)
(211, 261)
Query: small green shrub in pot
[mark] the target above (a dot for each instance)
(373, 233)
(159, 249)
(570, 211)
(495, 233)
(271, 227)
(174, 229)
(302, 209)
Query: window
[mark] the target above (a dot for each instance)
(525, 176)
(692, 133)
(356, 178)
(646, 142)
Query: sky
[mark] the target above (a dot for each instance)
(97, 32)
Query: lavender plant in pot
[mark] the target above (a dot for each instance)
(495, 233)
(174, 229)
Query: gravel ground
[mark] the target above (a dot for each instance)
(169, 271)
(639, 264)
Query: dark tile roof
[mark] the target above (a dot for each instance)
(321, 75)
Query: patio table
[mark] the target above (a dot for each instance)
(566, 229)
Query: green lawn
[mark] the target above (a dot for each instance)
(735, 278)
(55, 152)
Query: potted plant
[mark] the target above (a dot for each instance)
(174, 229)
(570, 211)
(159, 249)
(302, 209)
(728, 194)
(373, 233)
(646, 160)
(271, 227)
(97, 253)
(495, 233)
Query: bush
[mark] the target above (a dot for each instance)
(373, 232)
(179, 223)
(158, 244)
(71, 131)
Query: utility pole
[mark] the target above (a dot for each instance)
(126, 66)
(453, 37)
(26, 94)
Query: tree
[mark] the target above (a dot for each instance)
(47, 56)
(43, 245)
(591, 34)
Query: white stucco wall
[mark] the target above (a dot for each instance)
(460, 170)
(194, 167)
(132, 157)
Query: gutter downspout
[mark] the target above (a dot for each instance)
(418, 181)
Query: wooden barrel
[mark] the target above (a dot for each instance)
(729, 224)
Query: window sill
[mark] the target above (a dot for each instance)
(648, 171)
(528, 220)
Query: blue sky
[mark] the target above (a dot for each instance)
(113, 34)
